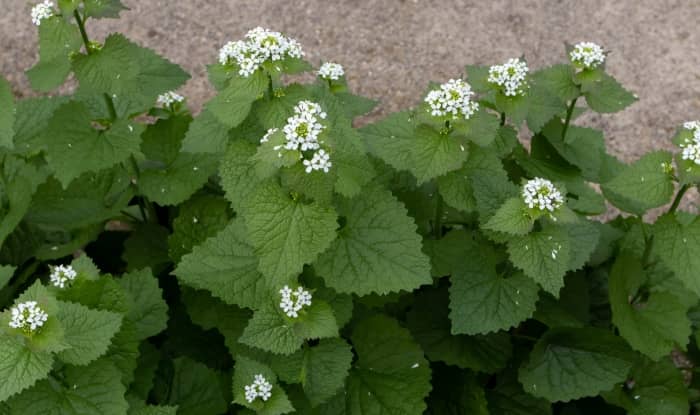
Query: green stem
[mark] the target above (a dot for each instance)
(83, 33)
(679, 197)
(569, 112)
(503, 119)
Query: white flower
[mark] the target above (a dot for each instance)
(293, 301)
(511, 77)
(62, 275)
(260, 388)
(259, 46)
(28, 316)
(693, 126)
(692, 152)
(267, 135)
(587, 55)
(452, 98)
(332, 71)
(320, 161)
(42, 11)
(169, 98)
(541, 194)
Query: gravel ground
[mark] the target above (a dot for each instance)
(391, 48)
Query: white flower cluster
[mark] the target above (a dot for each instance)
(587, 54)
(267, 135)
(511, 77)
(259, 45)
(541, 194)
(42, 11)
(62, 275)
(301, 133)
(332, 71)
(169, 98)
(260, 388)
(452, 98)
(293, 301)
(691, 147)
(28, 316)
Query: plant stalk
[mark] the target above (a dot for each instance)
(569, 112)
(83, 33)
(678, 198)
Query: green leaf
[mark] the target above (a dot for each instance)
(642, 185)
(543, 256)
(584, 147)
(457, 392)
(146, 247)
(92, 389)
(50, 337)
(58, 39)
(6, 272)
(480, 129)
(244, 374)
(232, 105)
(20, 366)
(199, 218)
(653, 325)
(378, 249)
(325, 368)
(652, 388)
(238, 176)
(606, 95)
(583, 237)
(155, 410)
(286, 233)
(31, 119)
(127, 72)
(226, 266)
(206, 135)
(677, 245)
(571, 309)
(196, 389)
(149, 312)
(7, 116)
(509, 398)
(511, 218)
(543, 105)
(559, 80)
(87, 332)
(104, 9)
(20, 182)
(572, 363)
(72, 138)
(429, 324)
(390, 375)
(481, 300)
(270, 330)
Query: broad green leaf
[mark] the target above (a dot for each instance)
(481, 128)
(206, 134)
(583, 237)
(482, 301)
(477, 77)
(104, 293)
(286, 233)
(7, 116)
(655, 324)
(272, 331)
(20, 365)
(72, 137)
(127, 72)
(390, 375)
(350, 162)
(155, 410)
(50, 337)
(543, 105)
(87, 332)
(92, 389)
(511, 218)
(642, 185)
(226, 266)
(144, 375)
(199, 218)
(429, 324)
(583, 147)
(509, 398)
(147, 247)
(124, 351)
(571, 309)
(378, 249)
(559, 80)
(232, 105)
(237, 171)
(6, 272)
(244, 374)
(677, 245)
(572, 363)
(652, 388)
(19, 182)
(31, 118)
(456, 392)
(149, 312)
(607, 95)
(196, 389)
(325, 368)
(58, 39)
(543, 256)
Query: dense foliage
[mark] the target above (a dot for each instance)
(268, 257)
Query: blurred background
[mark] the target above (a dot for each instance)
(391, 48)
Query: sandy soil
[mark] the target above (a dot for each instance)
(391, 48)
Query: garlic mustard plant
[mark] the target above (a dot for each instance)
(42, 11)
(587, 55)
(542, 195)
(511, 77)
(62, 275)
(293, 301)
(452, 99)
(260, 388)
(28, 317)
(331, 71)
(260, 45)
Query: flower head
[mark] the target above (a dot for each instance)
(294, 300)
(452, 98)
(62, 275)
(302, 134)
(260, 388)
(259, 45)
(332, 71)
(587, 55)
(691, 146)
(28, 317)
(169, 98)
(694, 127)
(510, 77)
(42, 11)
(541, 194)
